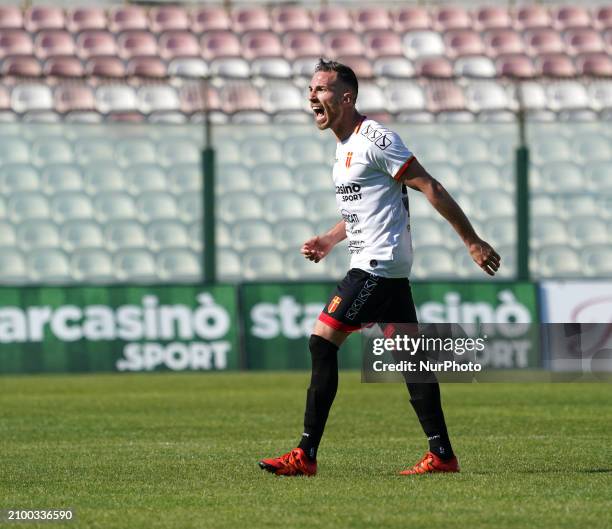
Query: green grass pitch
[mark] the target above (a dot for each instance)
(181, 451)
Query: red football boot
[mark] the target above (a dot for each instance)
(432, 463)
(294, 463)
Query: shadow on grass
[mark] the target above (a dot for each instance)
(548, 471)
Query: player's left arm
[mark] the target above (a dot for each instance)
(416, 177)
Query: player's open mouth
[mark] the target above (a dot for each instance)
(318, 112)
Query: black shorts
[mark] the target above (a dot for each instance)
(362, 297)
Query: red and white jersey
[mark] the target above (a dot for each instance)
(372, 200)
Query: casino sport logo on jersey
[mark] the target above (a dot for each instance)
(349, 192)
(377, 137)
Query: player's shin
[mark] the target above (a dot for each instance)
(321, 393)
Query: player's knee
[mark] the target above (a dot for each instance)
(321, 347)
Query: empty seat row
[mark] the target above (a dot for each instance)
(295, 17)
(282, 96)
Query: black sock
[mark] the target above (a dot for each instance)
(425, 399)
(321, 393)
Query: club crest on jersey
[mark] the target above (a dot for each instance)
(349, 157)
(333, 304)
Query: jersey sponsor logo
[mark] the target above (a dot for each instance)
(349, 155)
(349, 192)
(377, 137)
(355, 247)
(333, 304)
(362, 297)
(350, 218)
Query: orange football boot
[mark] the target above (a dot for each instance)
(432, 463)
(294, 463)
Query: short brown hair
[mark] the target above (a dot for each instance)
(345, 73)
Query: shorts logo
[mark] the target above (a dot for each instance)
(349, 155)
(362, 297)
(333, 304)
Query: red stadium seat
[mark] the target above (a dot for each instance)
(127, 18)
(105, 67)
(555, 65)
(302, 44)
(136, 43)
(371, 18)
(434, 67)
(290, 18)
(411, 18)
(331, 18)
(178, 44)
(597, 64)
(492, 17)
(94, 43)
(382, 44)
(452, 17)
(462, 42)
(44, 17)
(209, 18)
(49, 43)
(240, 98)
(257, 44)
(444, 97)
(11, 17)
(15, 42)
(583, 40)
(517, 65)
(250, 19)
(603, 17)
(532, 16)
(342, 43)
(571, 16)
(21, 66)
(542, 41)
(168, 18)
(68, 97)
(63, 67)
(151, 66)
(83, 18)
(215, 44)
(503, 42)
(194, 99)
(359, 64)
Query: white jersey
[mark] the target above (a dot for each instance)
(369, 196)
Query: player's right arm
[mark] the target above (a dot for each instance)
(318, 247)
(416, 177)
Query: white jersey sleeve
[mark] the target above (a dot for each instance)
(391, 155)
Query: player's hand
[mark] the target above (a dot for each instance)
(316, 248)
(485, 256)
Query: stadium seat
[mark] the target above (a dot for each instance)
(594, 64)
(555, 65)
(253, 234)
(404, 96)
(48, 266)
(466, 149)
(69, 97)
(57, 178)
(261, 150)
(182, 177)
(168, 18)
(393, 67)
(435, 67)
(602, 17)
(14, 150)
(82, 18)
(342, 43)
(39, 18)
(178, 265)
(136, 43)
(145, 177)
(187, 67)
(26, 205)
(309, 177)
(583, 40)
(532, 16)
(410, 18)
(445, 98)
(91, 265)
(125, 18)
(271, 67)
(291, 234)
(113, 205)
(371, 99)
(300, 269)
(475, 66)
(229, 266)
(286, 18)
(302, 43)
(426, 231)
(593, 147)
(588, 230)
(263, 263)
(94, 149)
(548, 230)
(500, 231)
(371, 18)
(487, 95)
(81, 234)
(231, 67)
(12, 267)
(50, 43)
(479, 175)
(515, 65)
(100, 176)
(16, 177)
(331, 18)
(451, 17)
(71, 205)
(503, 42)
(146, 67)
(269, 177)
(29, 96)
(567, 95)
(462, 42)
(156, 205)
(135, 150)
(219, 43)
(571, 16)
(122, 234)
(598, 260)
(134, 265)
(115, 98)
(95, 43)
(209, 18)
(359, 64)
(557, 261)
(487, 203)
(598, 176)
(15, 42)
(45, 151)
(279, 206)
(239, 205)
(492, 17)
(250, 18)
(36, 234)
(21, 66)
(433, 261)
(157, 98)
(223, 237)
(424, 43)
(11, 17)
(8, 237)
(543, 41)
(257, 44)
(600, 95)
